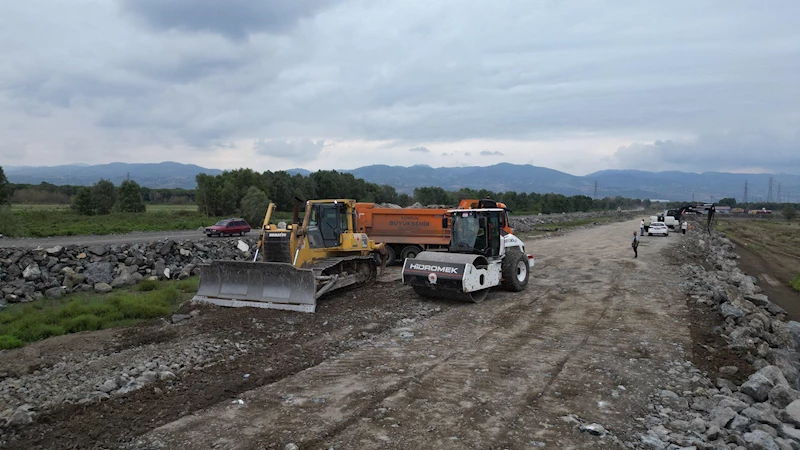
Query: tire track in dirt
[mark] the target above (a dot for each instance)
(476, 377)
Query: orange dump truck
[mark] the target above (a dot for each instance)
(408, 231)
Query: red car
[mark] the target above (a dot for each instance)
(229, 227)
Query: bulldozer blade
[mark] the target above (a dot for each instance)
(258, 284)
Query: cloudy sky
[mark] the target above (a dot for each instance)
(577, 86)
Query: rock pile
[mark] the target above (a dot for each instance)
(763, 411)
(32, 274)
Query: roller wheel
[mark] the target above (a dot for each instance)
(409, 251)
(515, 270)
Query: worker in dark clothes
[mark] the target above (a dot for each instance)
(635, 245)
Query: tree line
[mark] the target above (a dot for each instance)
(225, 194)
(103, 197)
(246, 192)
(52, 194)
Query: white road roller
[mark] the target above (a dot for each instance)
(483, 253)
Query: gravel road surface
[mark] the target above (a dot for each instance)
(594, 335)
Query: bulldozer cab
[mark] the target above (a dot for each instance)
(326, 223)
(476, 231)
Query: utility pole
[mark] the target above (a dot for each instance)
(769, 192)
(745, 191)
(595, 189)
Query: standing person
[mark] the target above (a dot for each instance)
(635, 245)
(641, 228)
(684, 224)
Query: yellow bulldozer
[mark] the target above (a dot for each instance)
(296, 264)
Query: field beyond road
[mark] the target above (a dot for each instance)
(770, 251)
(591, 339)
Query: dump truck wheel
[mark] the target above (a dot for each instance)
(410, 251)
(391, 255)
(515, 270)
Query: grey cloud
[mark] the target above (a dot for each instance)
(236, 70)
(294, 150)
(419, 150)
(232, 18)
(492, 153)
(733, 151)
(467, 154)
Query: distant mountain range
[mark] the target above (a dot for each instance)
(673, 186)
(167, 174)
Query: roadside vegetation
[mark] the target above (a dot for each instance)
(776, 238)
(24, 323)
(796, 283)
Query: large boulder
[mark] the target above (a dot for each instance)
(98, 250)
(727, 309)
(32, 272)
(98, 272)
(791, 413)
(794, 331)
(759, 385)
(102, 287)
(54, 292)
(55, 251)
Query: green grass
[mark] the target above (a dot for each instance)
(795, 283)
(161, 208)
(21, 324)
(19, 207)
(46, 223)
(58, 220)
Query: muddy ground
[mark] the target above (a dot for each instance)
(595, 334)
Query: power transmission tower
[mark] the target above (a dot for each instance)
(595, 189)
(128, 176)
(779, 191)
(745, 191)
(769, 193)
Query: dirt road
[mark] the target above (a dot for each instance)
(589, 337)
(594, 336)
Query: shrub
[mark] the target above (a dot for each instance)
(85, 322)
(9, 224)
(147, 285)
(8, 342)
(796, 283)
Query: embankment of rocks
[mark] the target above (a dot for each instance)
(31, 274)
(760, 411)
